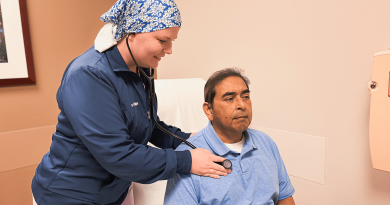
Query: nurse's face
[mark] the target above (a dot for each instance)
(231, 112)
(149, 48)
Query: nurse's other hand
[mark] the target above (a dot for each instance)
(203, 164)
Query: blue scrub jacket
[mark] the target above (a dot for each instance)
(99, 146)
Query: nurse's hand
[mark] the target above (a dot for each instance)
(203, 164)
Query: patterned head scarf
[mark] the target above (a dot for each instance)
(136, 16)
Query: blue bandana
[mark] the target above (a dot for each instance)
(141, 16)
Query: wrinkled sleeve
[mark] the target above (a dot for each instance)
(183, 188)
(180, 190)
(91, 103)
(286, 188)
(165, 141)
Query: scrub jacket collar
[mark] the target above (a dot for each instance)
(116, 61)
(216, 144)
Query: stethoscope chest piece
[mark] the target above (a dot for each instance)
(227, 164)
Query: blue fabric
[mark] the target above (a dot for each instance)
(258, 175)
(50, 198)
(99, 146)
(140, 16)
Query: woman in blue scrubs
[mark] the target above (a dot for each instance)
(99, 147)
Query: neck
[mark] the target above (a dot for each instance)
(226, 137)
(124, 51)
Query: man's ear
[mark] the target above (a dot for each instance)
(208, 110)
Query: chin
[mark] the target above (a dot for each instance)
(149, 65)
(153, 66)
(242, 127)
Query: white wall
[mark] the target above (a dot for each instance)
(309, 63)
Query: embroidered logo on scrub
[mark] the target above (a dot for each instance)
(134, 104)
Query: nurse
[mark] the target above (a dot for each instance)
(99, 146)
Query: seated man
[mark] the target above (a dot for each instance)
(258, 175)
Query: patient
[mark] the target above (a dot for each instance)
(258, 174)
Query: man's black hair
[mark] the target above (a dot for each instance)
(218, 77)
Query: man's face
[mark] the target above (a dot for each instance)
(231, 113)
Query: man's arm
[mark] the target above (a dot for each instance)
(286, 189)
(288, 201)
(180, 190)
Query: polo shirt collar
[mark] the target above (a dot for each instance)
(216, 144)
(117, 63)
(249, 143)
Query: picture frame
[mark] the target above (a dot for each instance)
(16, 59)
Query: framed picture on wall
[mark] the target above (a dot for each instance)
(16, 60)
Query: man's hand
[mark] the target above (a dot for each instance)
(203, 164)
(192, 134)
(288, 201)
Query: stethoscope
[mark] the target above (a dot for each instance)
(227, 164)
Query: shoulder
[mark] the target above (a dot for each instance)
(263, 140)
(91, 62)
(90, 57)
(258, 135)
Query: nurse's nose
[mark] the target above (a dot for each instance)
(168, 49)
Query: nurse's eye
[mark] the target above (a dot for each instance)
(162, 41)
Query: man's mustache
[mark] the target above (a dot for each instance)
(240, 115)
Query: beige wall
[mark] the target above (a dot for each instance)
(309, 62)
(60, 30)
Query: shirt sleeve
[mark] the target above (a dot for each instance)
(90, 102)
(286, 188)
(180, 190)
(165, 141)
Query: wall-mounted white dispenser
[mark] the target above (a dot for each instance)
(379, 125)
